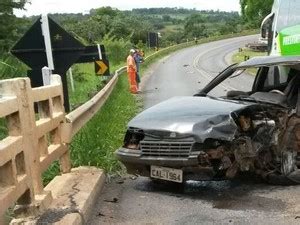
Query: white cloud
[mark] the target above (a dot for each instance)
(72, 6)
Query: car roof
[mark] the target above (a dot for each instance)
(269, 61)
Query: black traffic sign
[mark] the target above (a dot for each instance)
(65, 49)
(30, 49)
(153, 40)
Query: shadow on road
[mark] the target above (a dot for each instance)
(245, 193)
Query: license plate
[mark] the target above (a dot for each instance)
(165, 173)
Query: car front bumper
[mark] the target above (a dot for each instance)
(137, 164)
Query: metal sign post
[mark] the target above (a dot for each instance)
(99, 51)
(153, 40)
(47, 40)
(71, 79)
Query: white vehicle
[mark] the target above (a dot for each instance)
(282, 28)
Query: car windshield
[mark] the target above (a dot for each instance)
(239, 80)
(276, 84)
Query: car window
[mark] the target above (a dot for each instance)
(242, 80)
(283, 72)
(239, 80)
(275, 78)
(270, 77)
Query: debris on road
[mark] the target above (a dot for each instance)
(114, 200)
(133, 177)
(100, 214)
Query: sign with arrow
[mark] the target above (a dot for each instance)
(102, 67)
(46, 43)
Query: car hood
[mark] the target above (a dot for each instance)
(201, 117)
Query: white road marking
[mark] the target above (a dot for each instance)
(204, 73)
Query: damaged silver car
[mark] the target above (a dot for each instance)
(204, 137)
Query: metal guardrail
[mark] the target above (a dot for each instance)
(76, 119)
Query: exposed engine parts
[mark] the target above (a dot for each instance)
(266, 143)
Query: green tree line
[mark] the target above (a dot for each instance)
(121, 30)
(254, 11)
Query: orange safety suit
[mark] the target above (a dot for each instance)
(131, 71)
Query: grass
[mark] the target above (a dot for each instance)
(246, 52)
(85, 84)
(96, 142)
(240, 56)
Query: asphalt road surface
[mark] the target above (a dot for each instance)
(185, 72)
(137, 200)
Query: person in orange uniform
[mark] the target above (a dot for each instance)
(131, 71)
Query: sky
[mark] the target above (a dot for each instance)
(38, 7)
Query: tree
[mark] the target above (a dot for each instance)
(108, 11)
(9, 23)
(195, 26)
(254, 11)
(120, 29)
(7, 6)
(166, 18)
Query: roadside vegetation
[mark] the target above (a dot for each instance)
(118, 31)
(245, 53)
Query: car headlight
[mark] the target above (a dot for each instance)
(132, 138)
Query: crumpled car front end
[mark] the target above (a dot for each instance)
(204, 138)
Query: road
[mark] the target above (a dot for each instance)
(137, 200)
(187, 71)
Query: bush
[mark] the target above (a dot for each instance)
(117, 49)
